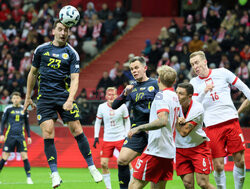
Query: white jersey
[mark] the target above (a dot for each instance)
(217, 104)
(197, 136)
(161, 141)
(116, 122)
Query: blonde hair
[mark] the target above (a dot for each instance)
(112, 89)
(167, 75)
(198, 53)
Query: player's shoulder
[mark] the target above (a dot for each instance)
(42, 47)
(73, 51)
(8, 108)
(197, 105)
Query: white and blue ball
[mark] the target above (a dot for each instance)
(69, 16)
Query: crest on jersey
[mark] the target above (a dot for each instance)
(134, 90)
(6, 148)
(151, 88)
(125, 142)
(65, 56)
(39, 117)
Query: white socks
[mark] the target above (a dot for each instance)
(239, 177)
(131, 173)
(220, 179)
(107, 180)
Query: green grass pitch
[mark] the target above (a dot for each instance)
(15, 178)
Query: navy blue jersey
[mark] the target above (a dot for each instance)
(55, 65)
(140, 98)
(16, 119)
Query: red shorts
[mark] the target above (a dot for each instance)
(153, 168)
(225, 138)
(108, 148)
(197, 159)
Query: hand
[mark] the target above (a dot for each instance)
(27, 102)
(96, 141)
(209, 87)
(128, 89)
(181, 120)
(132, 132)
(68, 105)
(29, 140)
(1, 138)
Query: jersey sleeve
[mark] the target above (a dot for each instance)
(99, 114)
(161, 103)
(3, 121)
(75, 62)
(234, 80)
(125, 113)
(36, 60)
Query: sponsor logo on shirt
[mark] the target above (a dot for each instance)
(151, 88)
(142, 88)
(134, 90)
(46, 54)
(55, 55)
(65, 56)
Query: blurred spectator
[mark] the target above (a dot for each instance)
(147, 48)
(228, 21)
(127, 72)
(154, 56)
(25, 63)
(245, 53)
(164, 60)
(120, 81)
(46, 11)
(245, 17)
(3, 80)
(213, 22)
(175, 64)
(190, 7)
(221, 34)
(90, 10)
(104, 12)
(195, 44)
(109, 27)
(112, 72)
(5, 11)
(189, 28)
(163, 37)
(5, 97)
(82, 96)
(89, 47)
(104, 82)
(174, 28)
(242, 72)
(85, 112)
(17, 13)
(120, 15)
(206, 9)
(224, 61)
(212, 45)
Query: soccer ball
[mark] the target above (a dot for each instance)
(69, 16)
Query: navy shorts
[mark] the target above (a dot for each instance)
(15, 142)
(138, 142)
(49, 109)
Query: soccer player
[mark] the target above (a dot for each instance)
(156, 162)
(211, 88)
(56, 64)
(192, 150)
(116, 127)
(16, 119)
(140, 96)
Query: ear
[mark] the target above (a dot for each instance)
(53, 31)
(146, 67)
(159, 80)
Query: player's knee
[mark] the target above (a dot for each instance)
(188, 184)
(122, 161)
(240, 163)
(202, 184)
(104, 165)
(218, 166)
(24, 156)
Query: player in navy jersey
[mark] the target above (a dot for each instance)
(56, 64)
(16, 119)
(140, 95)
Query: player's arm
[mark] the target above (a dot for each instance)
(68, 105)
(126, 119)
(97, 126)
(31, 81)
(160, 122)
(183, 127)
(3, 121)
(244, 106)
(27, 126)
(122, 98)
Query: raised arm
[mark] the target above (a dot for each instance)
(244, 106)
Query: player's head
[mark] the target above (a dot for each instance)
(166, 76)
(198, 62)
(60, 32)
(185, 92)
(138, 68)
(16, 98)
(111, 94)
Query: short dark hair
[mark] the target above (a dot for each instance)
(56, 22)
(189, 88)
(15, 93)
(141, 59)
